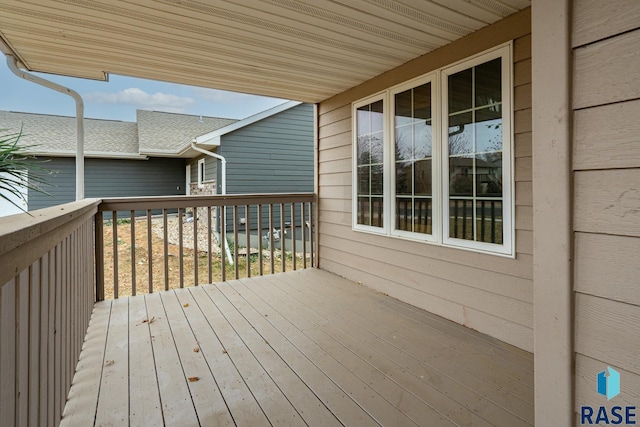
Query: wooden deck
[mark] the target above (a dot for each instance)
(299, 348)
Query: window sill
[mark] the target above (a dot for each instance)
(430, 240)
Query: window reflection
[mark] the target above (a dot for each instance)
(413, 146)
(475, 153)
(370, 158)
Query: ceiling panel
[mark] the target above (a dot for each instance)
(307, 50)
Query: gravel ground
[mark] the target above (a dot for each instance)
(173, 234)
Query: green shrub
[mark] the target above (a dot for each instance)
(18, 169)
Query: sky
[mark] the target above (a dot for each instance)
(119, 98)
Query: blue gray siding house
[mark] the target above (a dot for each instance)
(145, 158)
(271, 152)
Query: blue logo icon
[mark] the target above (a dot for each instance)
(609, 386)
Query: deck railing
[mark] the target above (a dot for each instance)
(46, 299)
(156, 243)
(52, 270)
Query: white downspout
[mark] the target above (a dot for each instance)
(223, 186)
(12, 62)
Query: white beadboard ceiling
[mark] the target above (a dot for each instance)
(306, 50)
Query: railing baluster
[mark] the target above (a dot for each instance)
(99, 249)
(464, 219)
(150, 258)
(235, 241)
(180, 248)
(209, 230)
(293, 234)
(247, 230)
(283, 234)
(482, 219)
(455, 218)
(493, 221)
(132, 218)
(223, 243)
(166, 249)
(260, 260)
(303, 224)
(114, 224)
(195, 246)
(271, 260)
(312, 236)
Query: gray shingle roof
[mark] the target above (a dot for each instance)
(57, 134)
(159, 131)
(154, 133)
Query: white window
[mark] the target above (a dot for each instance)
(433, 158)
(369, 158)
(201, 173)
(413, 173)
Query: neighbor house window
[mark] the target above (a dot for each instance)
(201, 173)
(446, 174)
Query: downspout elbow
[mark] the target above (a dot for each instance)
(12, 63)
(223, 173)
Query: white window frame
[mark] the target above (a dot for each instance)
(201, 173)
(386, 184)
(188, 180)
(435, 155)
(440, 162)
(508, 231)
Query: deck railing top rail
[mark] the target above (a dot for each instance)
(25, 237)
(161, 202)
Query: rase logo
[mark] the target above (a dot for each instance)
(608, 386)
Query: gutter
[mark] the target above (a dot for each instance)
(12, 63)
(90, 154)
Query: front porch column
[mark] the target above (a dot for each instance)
(552, 217)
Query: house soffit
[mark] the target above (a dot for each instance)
(306, 50)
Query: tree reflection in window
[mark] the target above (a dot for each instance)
(370, 158)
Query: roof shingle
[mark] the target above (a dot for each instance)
(57, 134)
(154, 133)
(159, 131)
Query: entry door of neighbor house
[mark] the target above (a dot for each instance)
(188, 182)
(7, 208)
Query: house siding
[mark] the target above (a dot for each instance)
(488, 293)
(273, 155)
(606, 173)
(110, 178)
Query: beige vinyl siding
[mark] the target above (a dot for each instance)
(489, 293)
(606, 164)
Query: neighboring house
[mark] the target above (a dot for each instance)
(148, 157)
(270, 152)
(262, 152)
(121, 158)
(561, 77)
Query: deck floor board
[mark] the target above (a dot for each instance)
(297, 348)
